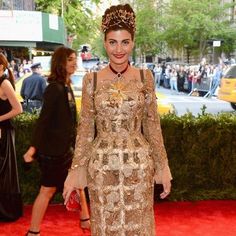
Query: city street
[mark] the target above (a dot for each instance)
(184, 103)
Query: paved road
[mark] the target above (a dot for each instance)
(184, 103)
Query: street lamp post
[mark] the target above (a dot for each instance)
(216, 43)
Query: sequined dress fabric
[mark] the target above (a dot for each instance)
(119, 152)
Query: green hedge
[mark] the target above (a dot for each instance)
(201, 152)
(202, 155)
(29, 177)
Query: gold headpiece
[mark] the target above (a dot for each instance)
(118, 18)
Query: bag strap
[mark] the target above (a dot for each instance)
(143, 79)
(94, 90)
(94, 81)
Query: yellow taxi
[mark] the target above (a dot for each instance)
(77, 81)
(163, 108)
(76, 78)
(227, 90)
(19, 82)
(18, 85)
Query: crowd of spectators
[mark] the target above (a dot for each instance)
(178, 77)
(183, 78)
(20, 69)
(18, 66)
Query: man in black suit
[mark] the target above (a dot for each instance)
(32, 89)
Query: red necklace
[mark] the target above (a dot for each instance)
(119, 74)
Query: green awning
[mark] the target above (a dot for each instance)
(17, 44)
(27, 28)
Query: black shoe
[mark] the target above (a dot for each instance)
(32, 232)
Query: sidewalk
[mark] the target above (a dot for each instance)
(168, 92)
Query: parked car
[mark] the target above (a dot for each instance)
(227, 90)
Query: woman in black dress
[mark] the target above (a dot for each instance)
(54, 135)
(10, 197)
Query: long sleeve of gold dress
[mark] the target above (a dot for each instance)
(120, 161)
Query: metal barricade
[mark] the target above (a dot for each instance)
(204, 85)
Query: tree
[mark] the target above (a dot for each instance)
(97, 42)
(174, 24)
(148, 34)
(147, 38)
(194, 22)
(78, 18)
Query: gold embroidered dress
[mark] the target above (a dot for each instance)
(120, 161)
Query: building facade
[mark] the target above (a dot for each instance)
(23, 5)
(25, 31)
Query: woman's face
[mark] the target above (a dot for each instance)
(71, 64)
(118, 45)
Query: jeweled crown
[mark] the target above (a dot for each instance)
(120, 18)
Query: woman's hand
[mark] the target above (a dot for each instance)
(69, 186)
(29, 155)
(67, 192)
(76, 179)
(166, 182)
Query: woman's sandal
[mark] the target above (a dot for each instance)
(32, 232)
(83, 226)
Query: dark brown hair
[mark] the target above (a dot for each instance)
(58, 64)
(117, 18)
(4, 62)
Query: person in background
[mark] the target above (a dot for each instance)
(10, 196)
(173, 80)
(26, 66)
(218, 73)
(190, 75)
(181, 77)
(157, 73)
(14, 68)
(54, 136)
(163, 72)
(166, 82)
(21, 72)
(30, 63)
(119, 148)
(33, 88)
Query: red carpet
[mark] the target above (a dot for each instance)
(203, 218)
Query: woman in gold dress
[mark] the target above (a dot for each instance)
(119, 147)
